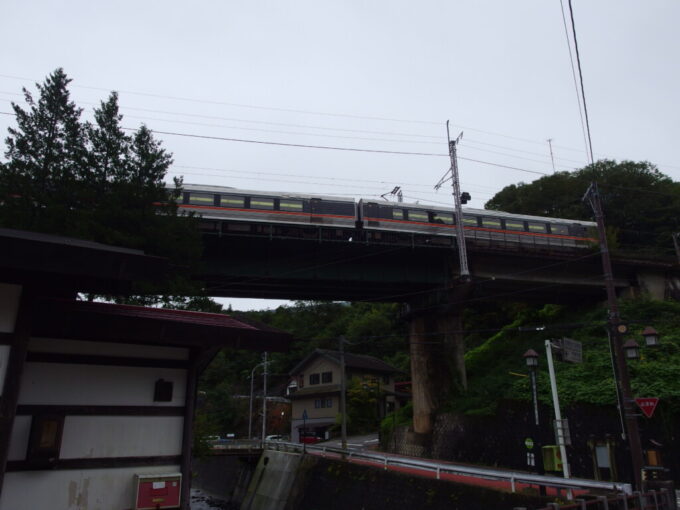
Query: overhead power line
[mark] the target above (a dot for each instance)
(580, 74)
(573, 74)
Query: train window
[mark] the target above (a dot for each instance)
(232, 201)
(201, 198)
(440, 217)
(262, 203)
(290, 205)
(562, 230)
(338, 208)
(537, 227)
(414, 215)
(514, 225)
(397, 214)
(491, 222)
(470, 221)
(385, 211)
(370, 210)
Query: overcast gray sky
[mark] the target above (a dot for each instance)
(367, 75)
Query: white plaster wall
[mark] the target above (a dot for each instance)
(106, 349)
(19, 443)
(9, 304)
(92, 489)
(72, 384)
(121, 436)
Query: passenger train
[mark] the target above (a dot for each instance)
(379, 221)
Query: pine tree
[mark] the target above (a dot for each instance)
(46, 158)
(93, 181)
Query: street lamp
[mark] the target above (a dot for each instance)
(531, 359)
(651, 336)
(632, 349)
(250, 414)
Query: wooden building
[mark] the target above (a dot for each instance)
(97, 400)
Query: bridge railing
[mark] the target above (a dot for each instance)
(514, 478)
(663, 499)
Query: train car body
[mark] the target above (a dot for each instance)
(223, 203)
(372, 221)
(481, 225)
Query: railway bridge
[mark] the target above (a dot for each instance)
(338, 263)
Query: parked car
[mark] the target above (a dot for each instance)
(274, 438)
(309, 438)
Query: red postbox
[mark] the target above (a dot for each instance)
(155, 492)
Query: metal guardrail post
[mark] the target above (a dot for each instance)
(604, 501)
(512, 484)
(624, 497)
(439, 473)
(581, 502)
(385, 463)
(640, 500)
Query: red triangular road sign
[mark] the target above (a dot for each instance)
(647, 405)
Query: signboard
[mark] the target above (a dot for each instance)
(529, 443)
(572, 350)
(647, 405)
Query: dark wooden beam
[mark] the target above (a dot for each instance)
(93, 463)
(188, 431)
(89, 410)
(15, 369)
(6, 338)
(89, 359)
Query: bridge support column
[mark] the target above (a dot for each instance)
(437, 363)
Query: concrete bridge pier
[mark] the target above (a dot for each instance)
(437, 355)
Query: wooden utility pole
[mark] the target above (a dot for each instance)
(616, 330)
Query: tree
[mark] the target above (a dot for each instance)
(639, 202)
(47, 157)
(93, 181)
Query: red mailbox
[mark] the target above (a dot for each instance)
(154, 492)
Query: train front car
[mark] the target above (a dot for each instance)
(232, 210)
(418, 224)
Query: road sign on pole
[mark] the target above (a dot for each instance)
(647, 405)
(572, 351)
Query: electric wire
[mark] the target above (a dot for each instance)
(573, 73)
(580, 74)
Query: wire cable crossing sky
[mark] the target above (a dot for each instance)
(351, 98)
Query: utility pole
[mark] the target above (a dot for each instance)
(343, 391)
(552, 158)
(460, 234)
(264, 400)
(676, 242)
(616, 329)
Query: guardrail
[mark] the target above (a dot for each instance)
(513, 477)
(663, 499)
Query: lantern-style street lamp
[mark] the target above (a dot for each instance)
(632, 349)
(651, 336)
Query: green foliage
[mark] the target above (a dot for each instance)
(363, 400)
(92, 181)
(372, 329)
(641, 205)
(495, 368)
(399, 418)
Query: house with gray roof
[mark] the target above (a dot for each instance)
(314, 389)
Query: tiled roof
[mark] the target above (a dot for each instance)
(352, 361)
(85, 320)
